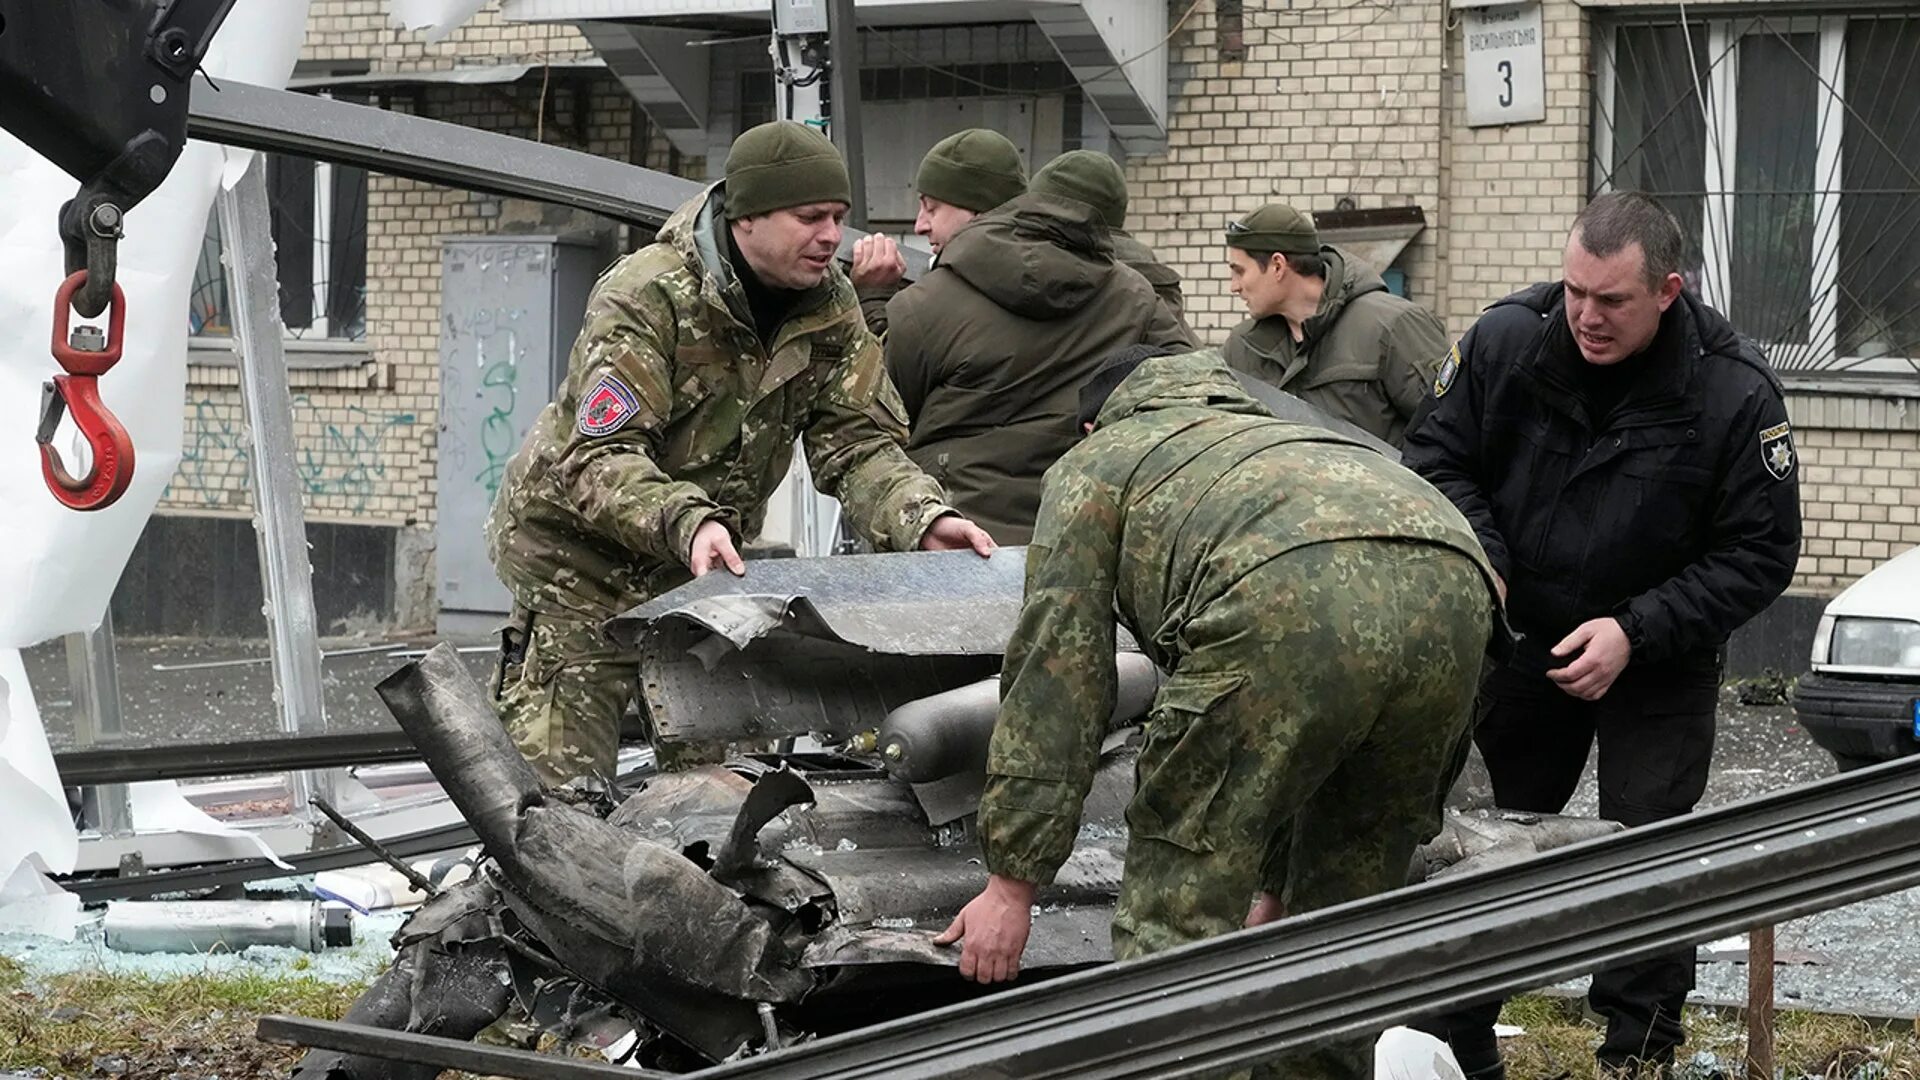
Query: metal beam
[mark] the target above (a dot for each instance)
(399, 144)
(279, 518)
(843, 118)
(1360, 967)
(183, 761)
(446, 1053)
(435, 152)
(424, 842)
(94, 678)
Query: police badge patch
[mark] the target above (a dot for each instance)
(607, 406)
(1449, 370)
(1776, 450)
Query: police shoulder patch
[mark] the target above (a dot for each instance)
(1449, 371)
(610, 404)
(1776, 450)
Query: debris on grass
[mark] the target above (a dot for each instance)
(1560, 1041)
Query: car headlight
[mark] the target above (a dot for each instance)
(1875, 643)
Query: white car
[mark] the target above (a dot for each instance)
(1861, 700)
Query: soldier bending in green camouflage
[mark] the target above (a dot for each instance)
(702, 358)
(1322, 613)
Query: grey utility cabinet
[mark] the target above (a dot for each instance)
(510, 307)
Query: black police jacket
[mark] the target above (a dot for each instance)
(1678, 514)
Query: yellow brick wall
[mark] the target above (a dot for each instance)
(1333, 100)
(359, 30)
(1859, 483)
(1511, 192)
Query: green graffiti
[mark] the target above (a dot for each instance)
(348, 459)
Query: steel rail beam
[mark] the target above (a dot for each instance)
(424, 842)
(182, 761)
(471, 1057)
(436, 152)
(1357, 968)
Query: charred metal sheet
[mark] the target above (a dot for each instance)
(935, 883)
(923, 603)
(783, 684)
(827, 646)
(771, 794)
(449, 977)
(1062, 938)
(634, 907)
(1470, 842)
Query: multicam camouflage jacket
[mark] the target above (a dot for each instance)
(1185, 486)
(674, 412)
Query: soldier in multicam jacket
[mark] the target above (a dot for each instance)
(702, 358)
(1322, 613)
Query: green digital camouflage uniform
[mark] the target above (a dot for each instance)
(1322, 613)
(673, 413)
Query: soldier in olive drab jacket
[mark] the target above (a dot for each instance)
(1323, 326)
(702, 358)
(965, 175)
(1064, 173)
(1322, 613)
(990, 349)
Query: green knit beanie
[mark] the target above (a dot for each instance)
(1089, 176)
(782, 164)
(975, 169)
(1275, 227)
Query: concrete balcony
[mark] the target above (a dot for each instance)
(1114, 50)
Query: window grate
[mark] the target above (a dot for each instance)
(1787, 144)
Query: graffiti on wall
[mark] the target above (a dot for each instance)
(347, 461)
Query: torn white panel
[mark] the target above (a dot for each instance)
(38, 828)
(32, 904)
(58, 567)
(158, 806)
(1406, 1054)
(437, 17)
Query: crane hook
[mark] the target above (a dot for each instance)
(85, 354)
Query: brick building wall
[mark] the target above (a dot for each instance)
(367, 422)
(1322, 101)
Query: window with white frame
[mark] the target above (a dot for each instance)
(1788, 146)
(319, 216)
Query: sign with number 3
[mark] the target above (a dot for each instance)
(1506, 81)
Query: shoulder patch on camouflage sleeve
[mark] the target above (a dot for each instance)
(1776, 450)
(1449, 370)
(610, 404)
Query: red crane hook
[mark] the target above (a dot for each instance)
(85, 355)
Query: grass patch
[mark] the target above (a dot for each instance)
(100, 1025)
(1560, 1041)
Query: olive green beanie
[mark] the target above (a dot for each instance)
(1089, 176)
(975, 169)
(1275, 227)
(781, 164)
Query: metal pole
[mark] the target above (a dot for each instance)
(1760, 1003)
(95, 682)
(279, 521)
(843, 50)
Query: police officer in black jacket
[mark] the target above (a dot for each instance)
(1626, 461)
